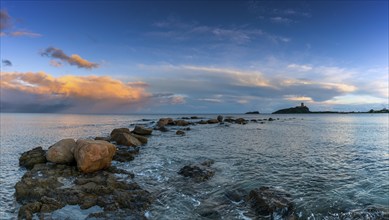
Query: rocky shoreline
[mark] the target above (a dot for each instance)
(80, 173)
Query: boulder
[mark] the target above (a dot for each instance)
(268, 201)
(202, 122)
(62, 151)
(179, 132)
(92, 155)
(162, 129)
(212, 121)
(119, 131)
(140, 138)
(125, 154)
(220, 118)
(126, 139)
(271, 119)
(35, 156)
(165, 121)
(140, 130)
(181, 123)
(198, 172)
(241, 121)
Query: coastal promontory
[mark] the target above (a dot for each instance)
(295, 110)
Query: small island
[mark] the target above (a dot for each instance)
(302, 109)
(296, 110)
(252, 113)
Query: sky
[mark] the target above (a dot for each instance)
(193, 56)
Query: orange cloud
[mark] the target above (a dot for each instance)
(84, 87)
(74, 59)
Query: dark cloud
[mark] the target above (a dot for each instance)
(73, 59)
(6, 63)
(5, 20)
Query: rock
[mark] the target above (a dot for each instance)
(181, 123)
(194, 117)
(27, 211)
(198, 172)
(229, 120)
(119, 131)
(187, 129)
(165, 121)
(126, 139)
(103, 139)
(252, 113)
(295, 110)
(268, 201)
(163, 129)
(220, 118)
(141, 138)
(179, 132)
(202, 122)
(212, 121)
(236, 195)
(241, 121)
(125, 154)
(30, 158)
(270, 119)
(62, 151)
(46, 188)
(93, 155)
(140, 130)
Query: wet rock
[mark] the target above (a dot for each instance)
(270, 119)
(92, 155)
(126, 139)
(241, 121)
(210, 214)
(220, 118)
(162, 129)
(187, 129)
(236, 195)
(253, 120)
(202, 122)
(268, 201)
(179, 132)
(212, 121)
(181, 123)
(119, 131)
(27, 210)
(194, 117)
(165, 121)
(125, 154)
(108, 139)
(229, 120)
(46, 188)
(30, 158)
(140, 130)
(62, 151)
(141, 138)
(198, 172)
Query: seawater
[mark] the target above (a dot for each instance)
(334, 166)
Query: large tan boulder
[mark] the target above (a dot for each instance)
(119, 130)
(165, 121)
(62, 151)
(126, 139)
(93, 155)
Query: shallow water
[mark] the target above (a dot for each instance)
(334, 166)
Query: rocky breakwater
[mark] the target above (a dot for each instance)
(80, 173)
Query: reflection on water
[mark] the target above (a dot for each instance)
(334, 166)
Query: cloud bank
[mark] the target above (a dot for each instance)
(74, 59)
(93, 94)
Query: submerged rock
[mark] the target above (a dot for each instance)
(198, 172)
(125, 154)
(92, 155)
(30, 158)
(62, 151)
(269, 201)
(140, 130)
(181, 123)
(179, 132)
(48, 187)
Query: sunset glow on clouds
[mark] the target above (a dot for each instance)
(231, 56)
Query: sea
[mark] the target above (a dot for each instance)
(334, 166)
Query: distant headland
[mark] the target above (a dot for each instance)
(302, 109)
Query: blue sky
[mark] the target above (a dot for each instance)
(193, 57)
